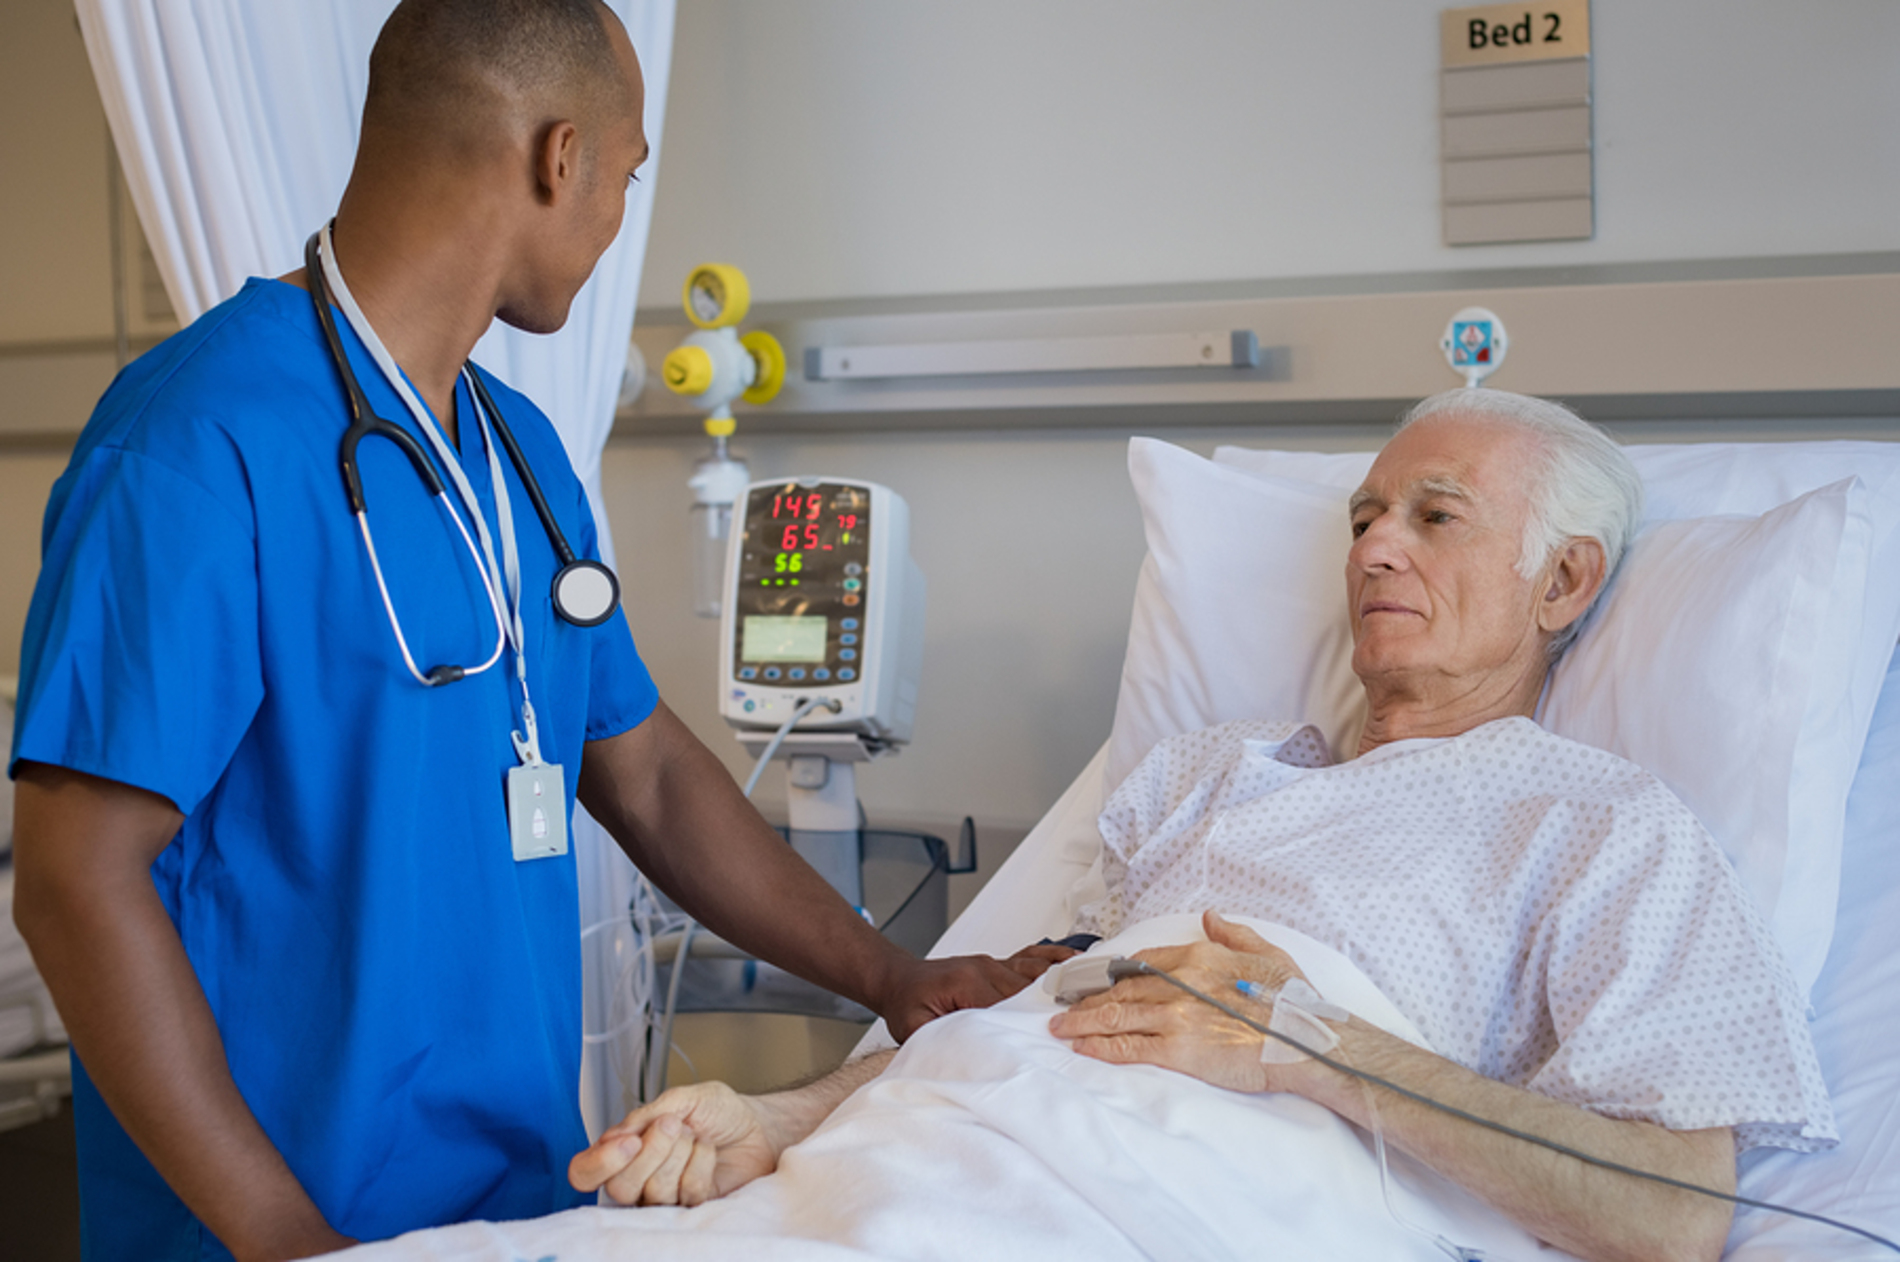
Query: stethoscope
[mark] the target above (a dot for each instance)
(584, 591)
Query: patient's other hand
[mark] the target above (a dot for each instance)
(1144, 1020)
(691, 1145)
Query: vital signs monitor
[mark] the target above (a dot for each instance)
(824, 601)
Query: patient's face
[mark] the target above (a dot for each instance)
(1438, 609)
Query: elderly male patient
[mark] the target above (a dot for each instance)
(1552, 919)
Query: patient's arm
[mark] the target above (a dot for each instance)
(700, 1142)
(1588, 1211)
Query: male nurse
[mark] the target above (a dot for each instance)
(317, 990)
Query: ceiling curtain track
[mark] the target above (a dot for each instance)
(236, 122)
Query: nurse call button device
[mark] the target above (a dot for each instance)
(825, 601)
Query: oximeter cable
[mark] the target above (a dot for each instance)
(1133, 968)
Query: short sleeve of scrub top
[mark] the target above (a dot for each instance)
(399, 998)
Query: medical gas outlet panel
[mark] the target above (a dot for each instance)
(824, 600)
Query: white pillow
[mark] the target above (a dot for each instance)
(1240, 613)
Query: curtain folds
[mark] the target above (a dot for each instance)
(236, 122)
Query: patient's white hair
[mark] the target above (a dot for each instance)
(1588, 488)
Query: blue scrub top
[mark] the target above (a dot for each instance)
(399, 999)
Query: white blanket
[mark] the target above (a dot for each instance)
(989, 1138)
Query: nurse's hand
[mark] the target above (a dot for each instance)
(1032, 962)
(1144, 1020)
(926, 989)
(691, 1145)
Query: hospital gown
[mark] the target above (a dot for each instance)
(1548, 914)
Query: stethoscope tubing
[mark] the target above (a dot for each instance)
(577, 587)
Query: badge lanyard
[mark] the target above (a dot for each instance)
(536, 791)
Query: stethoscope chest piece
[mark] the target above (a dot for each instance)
(585, 593)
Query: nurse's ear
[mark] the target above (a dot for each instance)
(557, 161)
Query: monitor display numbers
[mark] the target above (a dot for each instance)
(803, 585)
(802, 506)
(801, 521)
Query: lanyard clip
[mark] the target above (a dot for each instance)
(528, 747)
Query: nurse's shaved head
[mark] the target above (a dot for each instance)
(449, 72)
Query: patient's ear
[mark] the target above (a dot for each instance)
(1571, 583)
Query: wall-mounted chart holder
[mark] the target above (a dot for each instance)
(1515, 123)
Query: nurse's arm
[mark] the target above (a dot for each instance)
(85, 904)
(675, 810)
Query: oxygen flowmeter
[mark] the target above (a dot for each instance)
(712, 367)
(824, 605)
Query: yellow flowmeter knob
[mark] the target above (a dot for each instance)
(687, 370)
(716, 295)
(770, 358)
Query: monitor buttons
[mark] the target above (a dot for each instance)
(847, 655)
(797, 672)
(847, 638)
(847, 674)
(748, 672)
(821, 674)
(771, 672)
(849, 624)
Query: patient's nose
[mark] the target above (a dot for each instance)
(1379, 546)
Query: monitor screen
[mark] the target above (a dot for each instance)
(779, 639)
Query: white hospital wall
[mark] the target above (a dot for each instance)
(849, 150)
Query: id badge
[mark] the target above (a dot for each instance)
(537, 811)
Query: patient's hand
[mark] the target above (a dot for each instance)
(689, 1146)
(1144, 1020)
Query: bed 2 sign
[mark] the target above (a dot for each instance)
(1495, 33)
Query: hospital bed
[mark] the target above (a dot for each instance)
(1745, 654)
(35, 1072)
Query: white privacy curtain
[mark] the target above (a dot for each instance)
(236, 122)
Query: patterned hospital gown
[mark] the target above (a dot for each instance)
(1548, 914)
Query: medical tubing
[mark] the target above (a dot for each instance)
(644, 949)
(531, 485)
(686, 939)
(784, 730)
(656, 1061)
(1131, 968)
(392, 372)
(402, 642)
(1450, 1249)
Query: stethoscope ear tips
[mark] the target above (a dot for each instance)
(444, 675)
